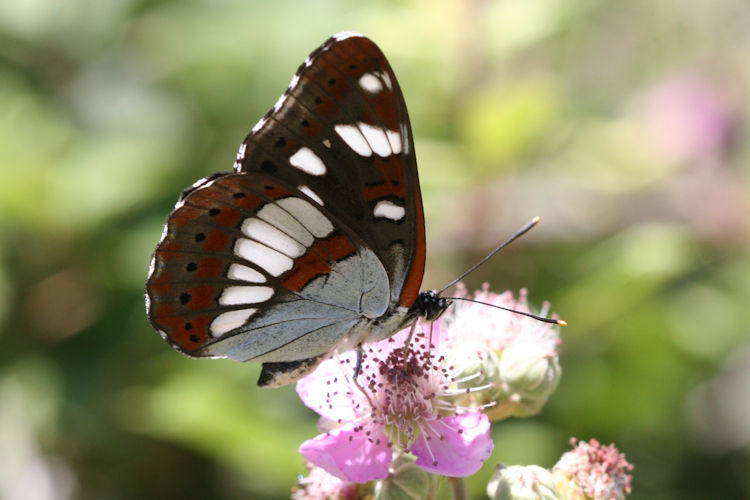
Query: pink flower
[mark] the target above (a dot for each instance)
(514, 354)
(592, 471)
(400, 402)
(469, 321)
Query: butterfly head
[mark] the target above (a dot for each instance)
(430, 305)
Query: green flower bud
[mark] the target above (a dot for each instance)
(406, 481)
(477, 368)
(530, 372)
(522, 482)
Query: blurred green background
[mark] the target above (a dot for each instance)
(620, 123)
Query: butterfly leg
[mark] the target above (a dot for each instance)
(358, 366)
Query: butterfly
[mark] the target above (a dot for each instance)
(315, 241)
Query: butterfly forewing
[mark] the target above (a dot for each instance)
(342, 131)
(317, 237)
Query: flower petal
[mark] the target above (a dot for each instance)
(456, 446)
(328, 390)
(349, 454)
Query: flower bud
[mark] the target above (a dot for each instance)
(591, 471)
(530, 372)
(477, 368)
(522, 482)
(406, 481)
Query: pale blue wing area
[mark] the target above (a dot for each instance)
(358, 283)
(291, 331)
(314, 321)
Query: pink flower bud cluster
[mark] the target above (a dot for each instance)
(592, 471)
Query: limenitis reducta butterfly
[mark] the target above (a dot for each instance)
(315, 241)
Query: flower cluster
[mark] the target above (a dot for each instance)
(588, 472)
(422, 402)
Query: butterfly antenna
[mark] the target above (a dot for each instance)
(533, 222)
(522, 313)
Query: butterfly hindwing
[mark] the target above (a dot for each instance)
(249, 269)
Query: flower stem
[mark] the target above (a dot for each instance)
(459, 488)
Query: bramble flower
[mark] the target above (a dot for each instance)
(320, 485)
(522, 482)
(498, 330)
(400, 402)
(591, 471)
(516, 355)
